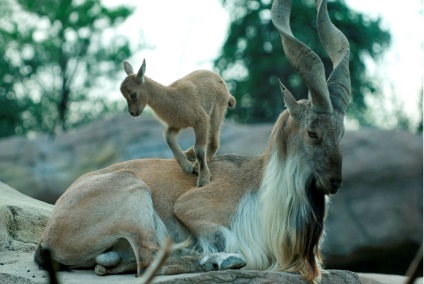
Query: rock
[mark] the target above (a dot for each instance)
(48, 165)
(21, 269)
(372, 278)
(22, 220)
(256, 277)
(382, 195)
(16, 271)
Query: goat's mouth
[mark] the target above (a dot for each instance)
(135, 113)
(325, 186)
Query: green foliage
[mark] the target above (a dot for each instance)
(253, 58)
(55, 53)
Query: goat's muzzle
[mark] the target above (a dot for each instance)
(135, 113)
(328, 185)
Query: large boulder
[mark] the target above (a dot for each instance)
(22, 220)
(45, 166)
(375, 221)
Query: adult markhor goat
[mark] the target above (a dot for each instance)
(263, 212)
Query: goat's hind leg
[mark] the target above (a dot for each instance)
(201, 133)
(216, 121)
(135, 233)
(128, 256)
(112, 263)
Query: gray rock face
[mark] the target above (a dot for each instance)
(22, 220)
(45, 166)
(375, 222)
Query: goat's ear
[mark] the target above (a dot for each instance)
(128, 68)
(141, 71)
(289, 100)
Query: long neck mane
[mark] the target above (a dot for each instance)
(279, 223)
(291, 209)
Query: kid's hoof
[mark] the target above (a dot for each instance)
(195, 168)
(201, 183)
(190, 154)
(187, 168)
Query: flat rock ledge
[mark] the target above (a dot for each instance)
(18, 267)
(22, 220)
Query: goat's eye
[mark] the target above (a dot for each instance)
(133, 95)
(312, 134)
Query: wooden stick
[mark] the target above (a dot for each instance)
(415, 267)
(157, 263)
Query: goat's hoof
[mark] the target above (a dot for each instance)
(191, 156)
(108, 259)
(187, 168)
(207, 266)
(100, 270)
(202, 182)
(222, 261)
(188, 172)
(195, 168)
(232, 262)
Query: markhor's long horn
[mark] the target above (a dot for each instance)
(302, 58)
(336, 46)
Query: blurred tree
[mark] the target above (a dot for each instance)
(420, 107)
(253, 58)
(10, 107)
(55, 53)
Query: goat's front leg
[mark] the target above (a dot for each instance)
(201, 134)
(202, 262)
(180, 157)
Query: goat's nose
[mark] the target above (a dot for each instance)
(336, 183)
(132, 113)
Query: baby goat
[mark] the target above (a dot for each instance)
(198, 100)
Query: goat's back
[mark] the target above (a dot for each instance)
(204, 85)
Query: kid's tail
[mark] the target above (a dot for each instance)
(231, 102)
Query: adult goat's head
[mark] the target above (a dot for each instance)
(316, 125)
